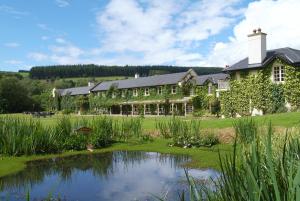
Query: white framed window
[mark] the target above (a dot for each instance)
(147, 92)
(159, 90)
(223, 84)
(147, 109)
(173, 89)
(135, 92)
(278, 73)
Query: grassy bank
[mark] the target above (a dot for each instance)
(201, 157)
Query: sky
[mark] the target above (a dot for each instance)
(140, 32)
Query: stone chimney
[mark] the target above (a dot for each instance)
(257, 47)
(91, 84)
(136, 75)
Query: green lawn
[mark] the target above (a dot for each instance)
(283, 120)
(201, 157)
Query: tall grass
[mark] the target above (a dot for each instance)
(129, 128)
(185, 133)
(26, 136)
(246, 130)
(258, 172)
(20, 136)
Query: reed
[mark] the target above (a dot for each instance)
(19, 136)
(27, 136)
(185, 133)
(258, 172)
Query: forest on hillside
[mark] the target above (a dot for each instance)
(91, 70)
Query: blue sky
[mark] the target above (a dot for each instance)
(120, 32)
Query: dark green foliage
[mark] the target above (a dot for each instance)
(215, 107)
(14, 96)
(76, 142)
(277, 98)
(91, 70)
(102, 132)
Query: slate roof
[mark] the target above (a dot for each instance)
(200, 80)
(155, 80)
(291, 56)
(75, 91)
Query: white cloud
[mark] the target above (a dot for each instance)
(12, 44)
(162, 33)
(60, 40)
(12, 11)
(37, 56)
(173, 32)
(62, 3)
(13, 62)
(279, 19)
(43, 26)
(45, 37)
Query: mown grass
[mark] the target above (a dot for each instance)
(286, 120)
(201, 157)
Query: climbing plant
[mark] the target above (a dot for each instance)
(257, 91)
(292, 86)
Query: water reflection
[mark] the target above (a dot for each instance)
(121, 175)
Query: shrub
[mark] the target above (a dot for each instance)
(76, 142)
(102, 132)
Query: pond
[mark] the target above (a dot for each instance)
(119, 175)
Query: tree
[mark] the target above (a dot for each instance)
(14, 96)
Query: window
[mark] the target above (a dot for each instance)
(159, 90)
(173, 90)
(135, 92)
(192, 91)
(209, 89)
(113, 95)
(223, 84)
(278, 73)
(103, 94)
(123, 94)
(147, 92)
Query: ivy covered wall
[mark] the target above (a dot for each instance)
(258, 91)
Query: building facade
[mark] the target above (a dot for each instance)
(153, 95)
(264, 82)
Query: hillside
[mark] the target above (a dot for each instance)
(91, 70)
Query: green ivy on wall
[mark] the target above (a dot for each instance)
(292, 86)
(257, 91)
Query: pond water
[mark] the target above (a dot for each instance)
(120, 176)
